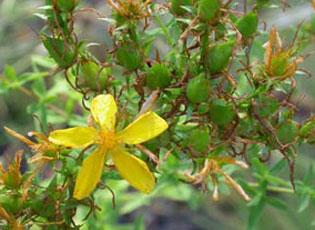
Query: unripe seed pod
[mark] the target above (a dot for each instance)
(198, 89)
(221, 112)
(66, 5)
(158, 76)
(129, 57)
(219, 56)
(208, 9)
(93, 76)
(247, 25)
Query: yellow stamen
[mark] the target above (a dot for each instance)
(108, 139)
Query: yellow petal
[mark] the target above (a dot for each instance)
(89, 174)
(134, 170)
(144, 128)
(78, 137)
(103, 109)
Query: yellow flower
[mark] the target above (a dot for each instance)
(111, 143)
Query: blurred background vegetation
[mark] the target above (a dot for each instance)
(173, 205)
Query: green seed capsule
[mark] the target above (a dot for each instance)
(176, 6)
(93, 76)
(219, 56)
(198, 89)
(247, 25)
(158, 76)
(208, 9)
(66, 5)
(199, 139)
(63, 54)
(221, 112)
(287, 132)
(129, 57)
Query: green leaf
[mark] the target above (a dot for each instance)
(287, 131)
(247, 25)
(277, 180)
(244, 87)
(276, 202)
(309, 176)
(259, 167)
(305, 202)
(199, 139)
(253, 151)
(177, 6)
(62, 52)
(307, 131)
(137, 201)
(278, 167)
(139, 223)
(208, 9)
(255, 213)
(267, 105)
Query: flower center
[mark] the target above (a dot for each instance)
(108, 139)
